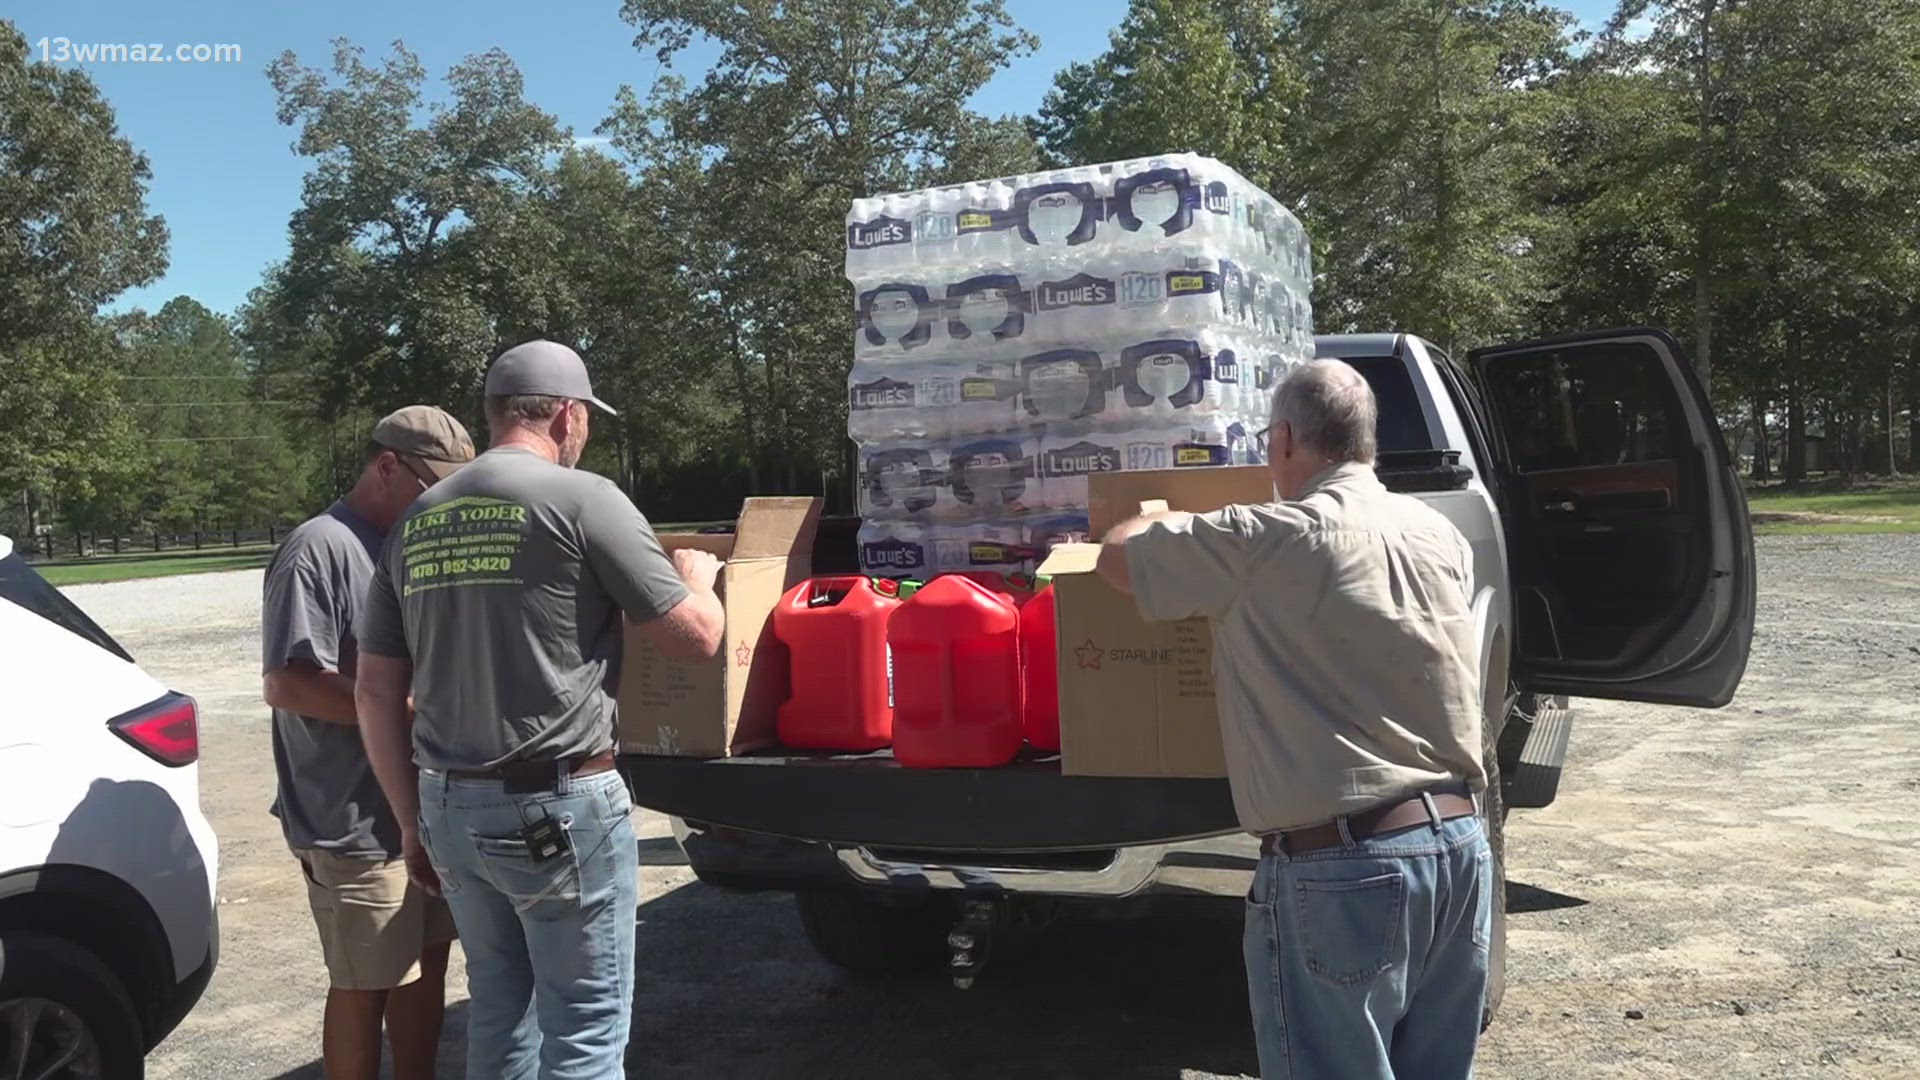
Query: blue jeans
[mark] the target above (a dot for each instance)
(1368, 961)
(549, 944)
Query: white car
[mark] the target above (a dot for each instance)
(108, 932)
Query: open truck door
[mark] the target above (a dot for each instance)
(1627, 529)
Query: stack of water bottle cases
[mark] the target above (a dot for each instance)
(1014, 336)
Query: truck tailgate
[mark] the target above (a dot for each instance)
(870, 800)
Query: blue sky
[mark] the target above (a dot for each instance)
(225, 176)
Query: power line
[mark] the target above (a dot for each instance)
(213, 438)
(187, 404)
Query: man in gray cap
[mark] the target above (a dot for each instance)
(499, 605)
(385, 942)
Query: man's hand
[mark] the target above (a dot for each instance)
(420, 869)
(697, 568)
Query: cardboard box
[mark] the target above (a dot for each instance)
(725, 705)
(1137, 698)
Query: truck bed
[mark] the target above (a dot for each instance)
(873, 801)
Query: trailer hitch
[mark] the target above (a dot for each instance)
(972, 937)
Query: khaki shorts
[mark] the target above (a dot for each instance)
(373, 922)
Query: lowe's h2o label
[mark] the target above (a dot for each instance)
(930, 227)
(1080, 290)
(882, 393)
(893, 553)
(880, 232)
(1141, 288)
(1080, 459)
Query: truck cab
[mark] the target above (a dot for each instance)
(1613, 559)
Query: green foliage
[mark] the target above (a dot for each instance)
(809, 106)
(72, 200)
(398, 284)
(1744, 171)
(1214, 77)
(74, 234)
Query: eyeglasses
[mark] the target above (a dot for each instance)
(425, 482)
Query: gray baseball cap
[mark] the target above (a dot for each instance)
(547, 368)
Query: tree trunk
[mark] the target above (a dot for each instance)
(1893, 461)
(1913, 408)
(743, 379)
(1705, 178)
(1853, 440)
(1795, 466)
(1762, 451)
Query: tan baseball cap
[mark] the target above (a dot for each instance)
(428, 434)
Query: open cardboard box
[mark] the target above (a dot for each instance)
(725, 705)
(1137, 698)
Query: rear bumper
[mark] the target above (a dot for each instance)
(1210, 867)
(172, 1006)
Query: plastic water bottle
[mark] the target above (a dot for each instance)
(992, 476)
(905, 478)
(1046, 530)
(1067, 457)
(895, 318)
(938, 399)
(892, 548)
(1063, 385)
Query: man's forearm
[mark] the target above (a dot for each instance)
(1113, 547)
(322, 695)
(386, 729)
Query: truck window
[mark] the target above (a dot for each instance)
(1565, 411)
(1403, 424)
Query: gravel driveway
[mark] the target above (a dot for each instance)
(1746, 882)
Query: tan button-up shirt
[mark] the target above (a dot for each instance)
(1345, 657)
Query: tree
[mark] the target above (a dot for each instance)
(1213, 77)
(74, 234)
(1421, 159)
(1408, 136)
(809, 106)
(214, 442)
(1765, 160)
(387, 281)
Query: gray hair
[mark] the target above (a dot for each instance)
(1331, 409)
(513, 410)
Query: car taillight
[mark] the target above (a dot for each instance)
(167, 730)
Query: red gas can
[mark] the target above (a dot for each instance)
(835, 630)
(1016, 587)
(1040, 672)
(956, 669)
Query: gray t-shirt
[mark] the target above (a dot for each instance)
(328, 797)
(504, 586)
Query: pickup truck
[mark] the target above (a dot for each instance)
(1614, 560)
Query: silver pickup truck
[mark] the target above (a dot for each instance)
(1614, 558)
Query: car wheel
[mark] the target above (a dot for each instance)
(63, 1014)
(873, 938)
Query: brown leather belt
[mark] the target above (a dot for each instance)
(1390, 817)
(524, 776)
